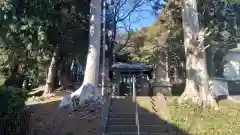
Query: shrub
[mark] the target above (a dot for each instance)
(12, 100)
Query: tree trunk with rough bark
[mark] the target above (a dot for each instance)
(92, 64)
(52, 73)
(89, 89)
(197, 88)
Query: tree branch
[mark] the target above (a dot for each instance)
(138, 4)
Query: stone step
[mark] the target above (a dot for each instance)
(136, 133)
(131, 105)
(133, 128)
(145, 109)
(143, 120)
(138, 98)
(130, 115)
(128, 102)
(117, 102)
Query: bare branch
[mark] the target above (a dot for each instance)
(205, 48)
(138, 4)
(119, 6)
(122, 12)
(207, 34)
(200, 44)
(128, 29)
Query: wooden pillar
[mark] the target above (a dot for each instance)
(118, 78)
(141, 85)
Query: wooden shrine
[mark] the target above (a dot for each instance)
(122, 76)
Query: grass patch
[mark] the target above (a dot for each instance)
(196, 121)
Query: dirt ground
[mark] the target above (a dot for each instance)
(48, 119)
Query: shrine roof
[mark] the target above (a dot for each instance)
(235, 50)
(131, 66)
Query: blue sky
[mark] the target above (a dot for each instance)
(147, 17)
(148, 20)
(144, 18)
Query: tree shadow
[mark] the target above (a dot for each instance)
(178, 88)
(118, 117)
(49, 119)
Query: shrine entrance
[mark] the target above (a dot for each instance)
(125, 76)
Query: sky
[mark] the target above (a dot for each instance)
(147, 17)
(148, 20)
(144, 18)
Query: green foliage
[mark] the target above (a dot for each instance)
(24, 32)
(12, 100)
(166, 35)
(151, 44)
(30, 30)
(233, 1)
(69, 133)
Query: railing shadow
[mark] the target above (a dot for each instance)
(47, 118)
(178, 88)
(119, 113)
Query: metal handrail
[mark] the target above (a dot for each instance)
(104, 115)
(136, 106)
(137, 120)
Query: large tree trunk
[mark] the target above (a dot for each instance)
(51, 79)
(196, 70)
(89, 89)
(92, 65)
(14, 66)
(64, 73)
(111, 51)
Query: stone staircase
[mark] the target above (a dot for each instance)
(121, 117)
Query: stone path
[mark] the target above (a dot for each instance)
(153, 116)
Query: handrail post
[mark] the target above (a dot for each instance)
(104, 45)
(134, 90)
(136, 105)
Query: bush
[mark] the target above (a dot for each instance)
(12, 100)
